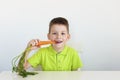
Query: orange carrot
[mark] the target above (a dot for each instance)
(45, 42)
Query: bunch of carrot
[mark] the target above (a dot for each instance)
(19, 68)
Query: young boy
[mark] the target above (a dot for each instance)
(58, 56)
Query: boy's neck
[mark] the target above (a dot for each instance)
(58, 50)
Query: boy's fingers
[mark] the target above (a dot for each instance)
(32, 42)
(36, 42)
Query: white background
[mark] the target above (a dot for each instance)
(94, 28)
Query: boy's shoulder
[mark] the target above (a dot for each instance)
(71, 49)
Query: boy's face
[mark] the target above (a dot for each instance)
(59, 34)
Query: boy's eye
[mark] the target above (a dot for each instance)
(63, 33)
(54, 33)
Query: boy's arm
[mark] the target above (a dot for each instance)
(76, 62)
(32, 46)
(76, 69)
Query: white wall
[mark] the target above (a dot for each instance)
(94, 28)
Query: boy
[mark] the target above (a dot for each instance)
(58, 56)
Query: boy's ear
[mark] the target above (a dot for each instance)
(48, 35)
(69, 36)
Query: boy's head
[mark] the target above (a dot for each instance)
(59, 32)
(59, 21)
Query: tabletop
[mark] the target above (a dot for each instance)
(64, 75)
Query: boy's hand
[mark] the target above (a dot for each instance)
(34, 43)
(26, 65)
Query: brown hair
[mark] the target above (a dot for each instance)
(59, 20)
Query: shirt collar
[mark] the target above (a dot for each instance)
(53, 52)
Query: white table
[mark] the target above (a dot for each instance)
(70, 75)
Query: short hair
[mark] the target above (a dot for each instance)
(59, 20)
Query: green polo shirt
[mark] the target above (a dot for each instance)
(50, 60)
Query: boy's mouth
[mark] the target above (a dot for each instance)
(58, 42)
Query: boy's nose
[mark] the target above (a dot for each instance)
(58, 36)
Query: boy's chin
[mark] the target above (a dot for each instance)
(58, 46)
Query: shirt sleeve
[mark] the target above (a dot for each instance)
(76, 62)
(35, 60)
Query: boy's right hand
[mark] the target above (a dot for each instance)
(34, 43)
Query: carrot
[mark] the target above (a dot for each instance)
(45, 42)
(19, 68)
